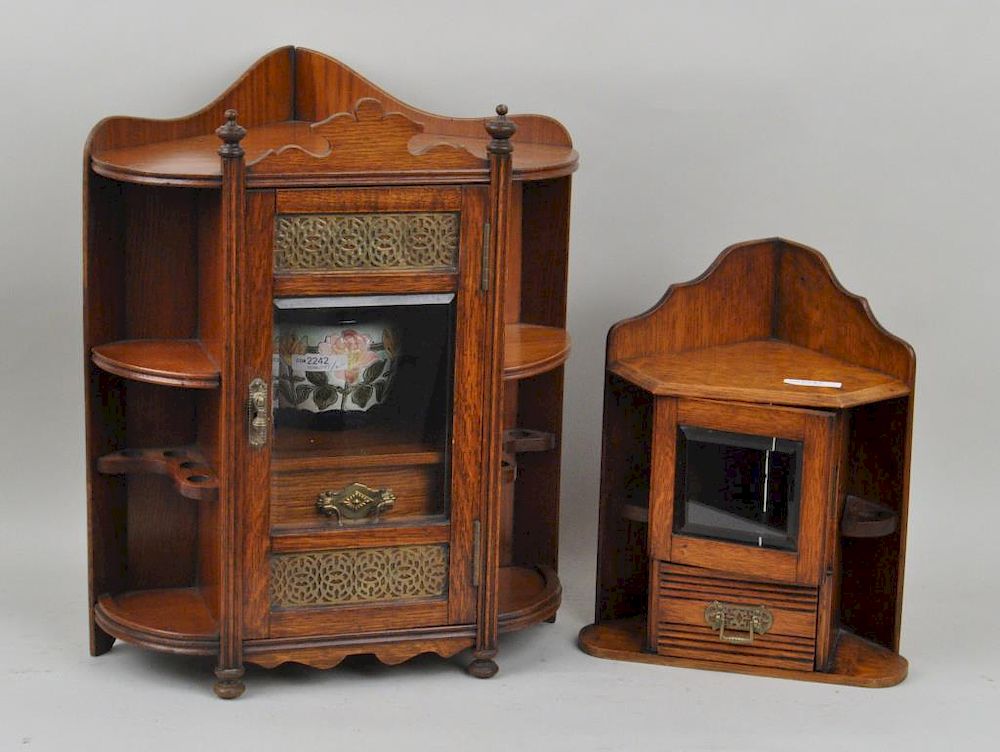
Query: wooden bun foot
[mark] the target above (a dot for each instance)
(230, 683)
(483, 668)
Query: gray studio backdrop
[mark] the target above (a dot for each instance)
(868, 130)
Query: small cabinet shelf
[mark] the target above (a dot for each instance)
(179, 363)
(752, 417)
(176, 620)
(530, 349)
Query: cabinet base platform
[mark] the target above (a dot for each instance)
(857, 662)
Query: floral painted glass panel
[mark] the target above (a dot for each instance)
(738, 487)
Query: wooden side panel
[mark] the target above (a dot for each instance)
(160, 280)
(878, 448)
(541, 231)
(813, 310)
(731, 302)
(622, 557)
(212, 309)
(545, 240)
(324, 87)
(103, 298)
(262, 95)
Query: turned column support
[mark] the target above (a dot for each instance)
(499, 149)
(229, 672)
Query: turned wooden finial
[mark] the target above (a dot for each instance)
(500, 128)
(231, 134)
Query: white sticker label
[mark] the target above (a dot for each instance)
(811, 382)
(319, 362)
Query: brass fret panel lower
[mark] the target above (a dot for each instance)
(328, 242)
(358, 575)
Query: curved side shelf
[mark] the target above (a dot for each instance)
(169, 362)
(528, 595)
(185, 466)
(864, 518)
(530, 349)
(172, 620)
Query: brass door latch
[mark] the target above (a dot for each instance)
(258, 414)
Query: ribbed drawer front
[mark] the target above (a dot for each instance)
(683, 632)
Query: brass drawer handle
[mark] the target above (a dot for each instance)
(355, 503)
(737, 617)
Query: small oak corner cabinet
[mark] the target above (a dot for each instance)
(324, 337)
(755, 477)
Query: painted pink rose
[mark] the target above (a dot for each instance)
(356, 347)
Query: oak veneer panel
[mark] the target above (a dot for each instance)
(325, 86)
(814, 311)
(755, 372)
(312, 449)
(261, 95)
(387, 615)
(170, 362)
(731, 302)
(419, 491)
(366, 200)
(405, 532)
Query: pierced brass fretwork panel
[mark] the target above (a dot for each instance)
(327, 242)
(358, 575)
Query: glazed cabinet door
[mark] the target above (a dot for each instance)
(369, 518)
(741, 488)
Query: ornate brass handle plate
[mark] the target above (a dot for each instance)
(258, 415)
(736, 617)
(355, 503)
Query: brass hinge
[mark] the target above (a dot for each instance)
(477, 553)
(484, 282)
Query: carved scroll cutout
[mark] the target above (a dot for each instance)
(369, 139)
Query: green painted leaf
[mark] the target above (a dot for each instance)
(319, 378)
(380, 387)
(361, 396)
(324, 397)
(373, 371)
(302, 392)
(286, 392)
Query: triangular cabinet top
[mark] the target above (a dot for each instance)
(769, 323)
(311, 120)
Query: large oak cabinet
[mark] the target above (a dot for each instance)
(421, 515)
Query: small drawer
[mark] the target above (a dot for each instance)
(350, 497)
(717, 618)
